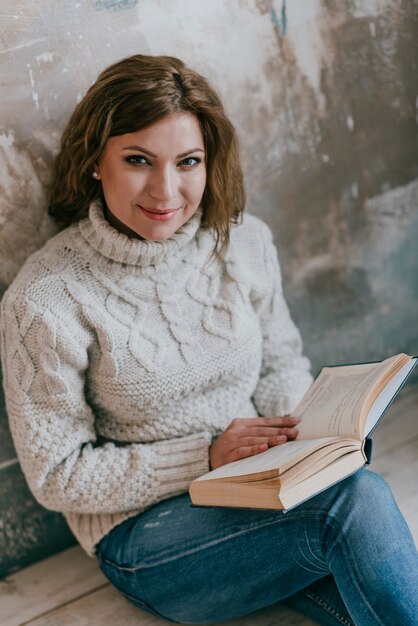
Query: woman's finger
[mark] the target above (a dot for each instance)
(242, 441)
(256, 441)
(246, 451)
(263, 422)
(262, 431)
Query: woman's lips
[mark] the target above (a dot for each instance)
(158, 214)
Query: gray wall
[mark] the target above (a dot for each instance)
(324, 96)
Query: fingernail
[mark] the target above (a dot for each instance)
(292, 431)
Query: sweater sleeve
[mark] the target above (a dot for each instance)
(285, 372)
(53, 426)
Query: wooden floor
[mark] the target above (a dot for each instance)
(69, 589)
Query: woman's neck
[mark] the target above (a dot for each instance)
(120, 226)
(118, 242)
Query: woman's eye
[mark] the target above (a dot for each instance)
(136, 159)
(139, 159)
(190, 162)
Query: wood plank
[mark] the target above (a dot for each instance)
(98, 608)
(106, 607)
(409, 508)
(400, 468)
(395, 454)
(69, 590)
(46, 585)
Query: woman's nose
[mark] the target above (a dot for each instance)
(163, 184)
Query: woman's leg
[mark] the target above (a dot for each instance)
(322, 602)
(205, 565)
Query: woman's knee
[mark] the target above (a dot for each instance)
(367, 488)
(361, 500)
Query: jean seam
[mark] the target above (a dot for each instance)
(327, 607)
(322, 566)
(139, 603)
(204, 546)
(351, 557)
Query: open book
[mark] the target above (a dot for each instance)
(339, 412)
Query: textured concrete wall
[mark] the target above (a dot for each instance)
(324, 96)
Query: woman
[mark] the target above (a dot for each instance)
(149, 342)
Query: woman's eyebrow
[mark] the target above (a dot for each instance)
(179, 156)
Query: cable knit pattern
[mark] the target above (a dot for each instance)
(122, 358)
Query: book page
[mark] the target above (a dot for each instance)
(328, 476)
(385, 397)
(332, 405)
(271, 459)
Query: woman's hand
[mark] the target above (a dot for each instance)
(248, 436)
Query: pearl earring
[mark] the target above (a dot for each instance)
(95, 174)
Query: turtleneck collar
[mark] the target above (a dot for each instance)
(117, 246)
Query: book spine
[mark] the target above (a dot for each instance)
(367, 449)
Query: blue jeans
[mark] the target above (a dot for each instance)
(345, 556)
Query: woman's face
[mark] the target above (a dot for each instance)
(153, 179)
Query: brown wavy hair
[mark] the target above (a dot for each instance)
(129, 96)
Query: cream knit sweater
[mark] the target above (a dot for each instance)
(123, 357)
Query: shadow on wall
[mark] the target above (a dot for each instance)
(345, 188)
(368, 302)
